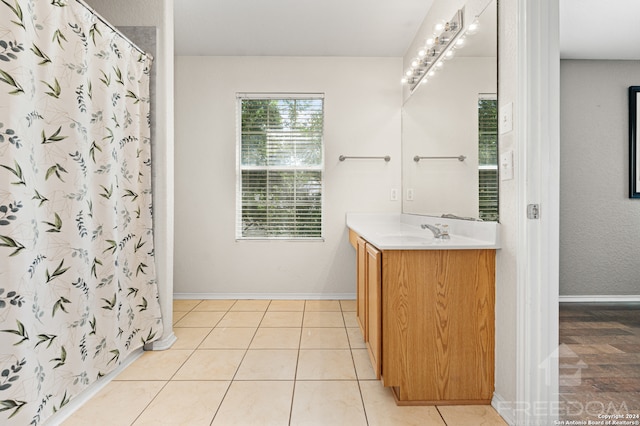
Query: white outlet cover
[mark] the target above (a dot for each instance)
(506, 165)
(506, 118)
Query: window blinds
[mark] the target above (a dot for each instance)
(280, 167)
(488, 157)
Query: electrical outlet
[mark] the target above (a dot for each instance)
(410, 194)
(506, 118)
(394, 194)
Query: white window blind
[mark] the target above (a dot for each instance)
(488, 157)
(280, 151)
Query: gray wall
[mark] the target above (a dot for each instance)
(599, 224)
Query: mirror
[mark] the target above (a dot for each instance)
(451, 116)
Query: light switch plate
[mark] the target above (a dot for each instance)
(506, 165)
(506, 118)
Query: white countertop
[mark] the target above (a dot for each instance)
(395, 231)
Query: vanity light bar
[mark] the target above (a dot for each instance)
(434, 50)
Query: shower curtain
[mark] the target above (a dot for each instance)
(78, 291)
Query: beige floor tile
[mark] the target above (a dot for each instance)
(382, 410)
(189, 337)
(229, 338)
(215, 305)
(282, 319)
(322, 305)
(276, 338)
(185, 305)
(241, 319)
(286, 306)
(213, 364)
(184, 403)
(363, 364)
(200, 319)
(178, 315)
(155, 365)
(120, 402)
(250, 305)
(350, 319)
(268, 364)
(256, 403)
(355, 338)
(327, 403)
(348, 305)
(471, 415)
(325, 364)
(323, 319)
(324, 338)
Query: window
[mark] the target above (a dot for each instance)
(488, 157)
(280, 167)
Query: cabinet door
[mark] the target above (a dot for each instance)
(361, 289)
(374, 307)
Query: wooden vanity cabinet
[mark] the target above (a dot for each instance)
(374, 307)
(368, 300)
(429, 325)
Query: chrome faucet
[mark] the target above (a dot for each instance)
(440, 232)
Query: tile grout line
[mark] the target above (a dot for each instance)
(295, 374)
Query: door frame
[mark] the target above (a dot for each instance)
(538, 169)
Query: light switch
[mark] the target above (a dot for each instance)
(506, 165)
(506, 118)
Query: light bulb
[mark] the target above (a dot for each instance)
(415, 63)
(431, 73)
(404, 80)
(439, 65)
(424, 81)
(439, 27)
(460, 42)
(449, 54)
(422, 53)
(409, 73)
(473, 26)
(430, 42)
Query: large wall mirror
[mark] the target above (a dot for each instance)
(450, 132)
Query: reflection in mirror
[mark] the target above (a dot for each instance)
(454, 115)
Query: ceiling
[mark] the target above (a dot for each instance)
(297, 27)
(599, 29)
(589, 29)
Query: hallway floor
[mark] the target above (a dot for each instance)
(600, 360)
(262, 362)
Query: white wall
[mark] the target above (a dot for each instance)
(362, 118)
(599, 223)
(158, 13)
(441, 119)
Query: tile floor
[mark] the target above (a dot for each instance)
(262, 362)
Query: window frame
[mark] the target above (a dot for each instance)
(240, 96)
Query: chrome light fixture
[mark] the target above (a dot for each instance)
(436, 48)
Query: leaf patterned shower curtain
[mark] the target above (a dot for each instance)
(77, 278)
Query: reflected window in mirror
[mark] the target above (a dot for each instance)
(488, 157)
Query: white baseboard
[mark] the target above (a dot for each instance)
(504, 408)
(269, 296)
(162, 345)
(79, 400)
(600, 299)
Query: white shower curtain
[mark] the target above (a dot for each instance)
(77, 278)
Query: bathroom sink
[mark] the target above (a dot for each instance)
(406, 239)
